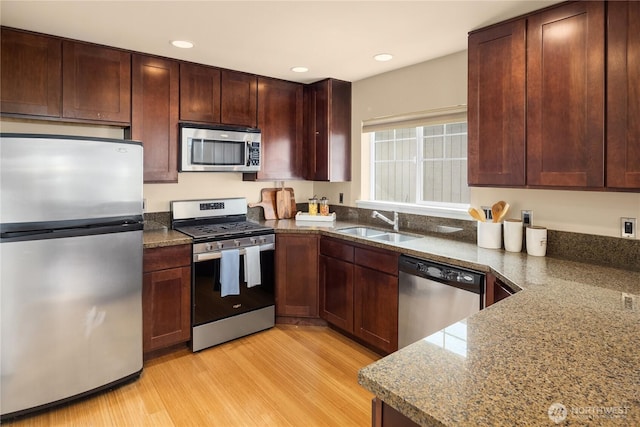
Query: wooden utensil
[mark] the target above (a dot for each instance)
(268, 203)
(496, 209)
(503, 212)
(283, 203)
(478, 215)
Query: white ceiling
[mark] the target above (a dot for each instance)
(332, 38)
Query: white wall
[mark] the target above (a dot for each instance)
(441, 83)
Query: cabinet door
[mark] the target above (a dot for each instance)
(239, 98)
(328, 130)
(565, 96)
(623, 95)
(297, 276)
(376, 308)
(280, 108)
(154, 116)
(496, 107)
(31, 74)
(96, 83)
(199, 93)
(166, 308)
(336, 292)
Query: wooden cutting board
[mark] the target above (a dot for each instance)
(268, 202)
(283, 203)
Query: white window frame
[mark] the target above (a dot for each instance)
(432, 208)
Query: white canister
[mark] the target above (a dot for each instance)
(513, 235)
(536, 240)
(490, 235)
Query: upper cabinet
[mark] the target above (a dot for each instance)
(31, 74)
(47, 76)
(623, 95)
(199, 93)
(239, 102)
(154, 118)
(565, 96)
(567, 57)
(328, 131)
(96, 83)
(215, 96)
(496, 105)
(280, 118)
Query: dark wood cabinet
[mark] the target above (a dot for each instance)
(154, 116)
(96, 83)
(31, 74)
(359, 292)
(496, 290)
(199, 93)
(280, 118)
(328, 130)
(383, 415)
(166, 297)
(376, 298)
(575, 54)
(336, 283)
(496, 105)
(297, 275)
(239, 98)
(565, 96)
(51, 77)
(623, 95)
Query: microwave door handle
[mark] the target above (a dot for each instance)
(247, 153)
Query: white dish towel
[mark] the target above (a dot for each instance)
(230, 272)
(252, 266)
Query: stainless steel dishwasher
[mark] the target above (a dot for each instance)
(433, 296)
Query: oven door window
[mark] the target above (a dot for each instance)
(215, 152)
(209, 306)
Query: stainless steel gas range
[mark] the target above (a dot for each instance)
(232, 272)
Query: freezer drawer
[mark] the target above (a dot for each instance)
(71, 311)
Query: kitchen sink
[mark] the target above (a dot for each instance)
(363, 231)
(379, 235)
(394, 237)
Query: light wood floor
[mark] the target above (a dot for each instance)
(286, 376)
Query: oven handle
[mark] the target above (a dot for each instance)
(218, 254)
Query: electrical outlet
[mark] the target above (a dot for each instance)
(527, 218)
(628, 227)
(487, 212)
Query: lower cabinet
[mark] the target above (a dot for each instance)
(297, 275)
(383, 415)
(166, 297)
(359, 292)
(496, 290)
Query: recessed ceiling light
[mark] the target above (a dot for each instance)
(382, 57)
(183, 44)
(299, 69)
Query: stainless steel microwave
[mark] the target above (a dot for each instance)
(219, 148)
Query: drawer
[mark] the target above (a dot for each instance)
(155, 259)
(384, 261)
(336, 249)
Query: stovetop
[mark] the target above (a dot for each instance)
(214, 219)
(218, 230)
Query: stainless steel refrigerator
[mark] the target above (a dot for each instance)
(71, 268)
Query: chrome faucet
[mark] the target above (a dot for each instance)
(395, 221)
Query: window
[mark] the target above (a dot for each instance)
(422, 165)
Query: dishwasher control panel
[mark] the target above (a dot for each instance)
(442, 272)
